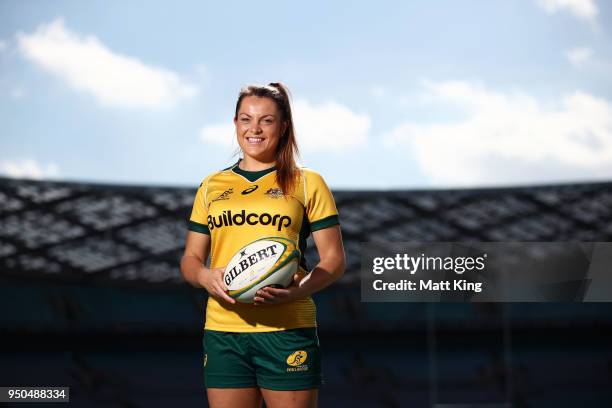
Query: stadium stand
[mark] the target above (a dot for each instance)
(92, 298)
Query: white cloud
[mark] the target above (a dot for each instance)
(585, 58)
(509, 138)
(329, 127)
(3, 45)
(28, 168)
(583, 9)
(579, 56)
(88, 65)
(223, 134)
(321, 128)
(17, 93)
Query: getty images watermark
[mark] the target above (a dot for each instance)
(486, 272)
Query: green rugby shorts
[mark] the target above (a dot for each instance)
(280, 360)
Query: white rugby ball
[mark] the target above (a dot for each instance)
(265, 262)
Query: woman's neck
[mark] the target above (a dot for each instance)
(250, 164)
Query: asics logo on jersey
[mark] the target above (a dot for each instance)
(227, 219)
(250, 189)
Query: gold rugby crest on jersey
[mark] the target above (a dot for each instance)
(274, 193)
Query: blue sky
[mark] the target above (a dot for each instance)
(386, 95)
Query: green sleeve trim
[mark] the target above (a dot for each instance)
(325, 222)
(197, 227)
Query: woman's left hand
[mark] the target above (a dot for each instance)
(274, 296)
(330, 267)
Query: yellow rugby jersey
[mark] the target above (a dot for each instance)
(236, 207)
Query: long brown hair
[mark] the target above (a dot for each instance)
(287, 150)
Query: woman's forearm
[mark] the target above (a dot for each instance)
(191, 268)
(323, 275)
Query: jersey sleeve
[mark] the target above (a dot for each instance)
(320, 205)
(198, 221)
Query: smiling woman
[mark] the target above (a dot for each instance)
(268, 349)
(259, 128)
(264, 127)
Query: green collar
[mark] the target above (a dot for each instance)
(251, 175)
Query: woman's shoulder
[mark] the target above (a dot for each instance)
(310, 175)
(216, 174)
(309, 172)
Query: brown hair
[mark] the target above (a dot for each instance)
(287, 150)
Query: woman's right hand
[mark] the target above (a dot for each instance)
(212, 281)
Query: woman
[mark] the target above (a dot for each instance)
(268, 349)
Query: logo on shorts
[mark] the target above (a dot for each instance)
(205, 359)
(296, 360)
(274, 193)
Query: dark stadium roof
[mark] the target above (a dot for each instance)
(91, 232)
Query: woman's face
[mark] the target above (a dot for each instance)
(259, 127)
